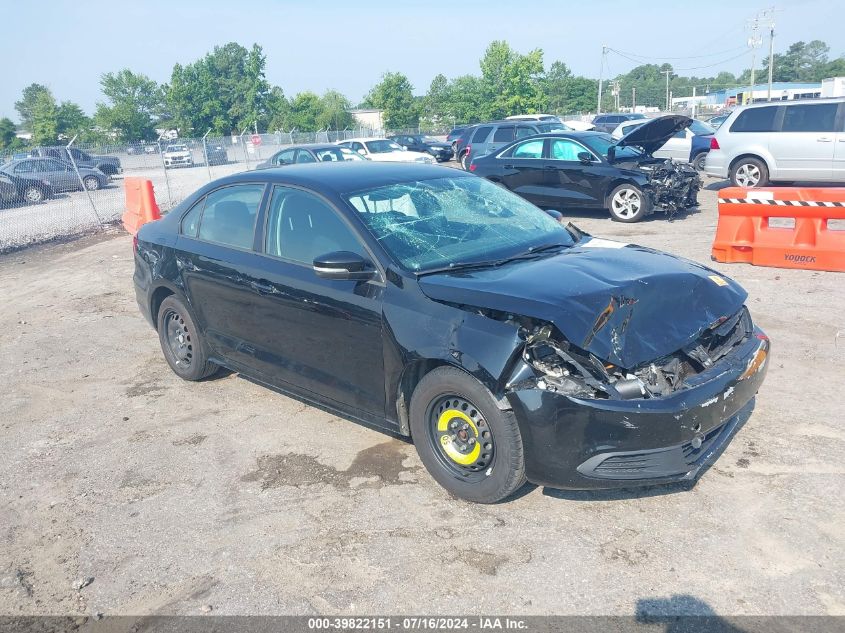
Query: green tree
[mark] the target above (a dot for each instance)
(435, 104)
(8, 140)
(305, 108)
(466, 100)
(134, 103)
(334, 112)
(394, 95)
(27, 103)
(512, 81)
(71, 120)
(226, 91)
(45, 119)
(278, 108)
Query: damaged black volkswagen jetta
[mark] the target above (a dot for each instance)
(438, 306)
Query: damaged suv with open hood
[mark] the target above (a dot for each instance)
(440, 307)
(579, 170)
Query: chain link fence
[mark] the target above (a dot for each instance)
(49, 193)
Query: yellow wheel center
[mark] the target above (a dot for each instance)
(448, 438)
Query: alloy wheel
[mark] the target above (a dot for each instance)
(626, 203)
(33, 194)
(747, 175)
(91, 183)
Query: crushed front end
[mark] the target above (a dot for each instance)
(672, 187)
(588, 423)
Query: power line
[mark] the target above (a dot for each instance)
(719, 63)
(659, 57)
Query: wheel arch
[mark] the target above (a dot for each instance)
(159, 294)
(620, 180)
(754, 155)
(418, 369)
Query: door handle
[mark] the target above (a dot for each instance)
(262, 288)
(824, 139)
(508, 166)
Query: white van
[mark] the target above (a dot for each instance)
(781, 141)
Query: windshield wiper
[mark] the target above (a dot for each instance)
(530, 253)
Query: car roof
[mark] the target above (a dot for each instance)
(345, 177)
(363, 139)
(314, 146)
(790, 102)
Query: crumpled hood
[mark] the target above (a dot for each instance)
(628, 305)
(653, 135)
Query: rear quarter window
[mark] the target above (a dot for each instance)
(480, 134)
(816, 117)
(756, 120)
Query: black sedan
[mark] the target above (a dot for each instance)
(426, 144)
(29, 189)
(310, 153)
(441, 307)
(578, 170)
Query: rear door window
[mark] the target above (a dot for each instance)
(756, 120)
(565, 149)
(529, 149)
(191, 220)
(815, 117)
(229, 215)
(480, 135)
(503, 134)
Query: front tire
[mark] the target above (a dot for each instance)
(33, 194)
(92, 183)
(183, 346)
(467, 443)
(628, 203)
(749, 172)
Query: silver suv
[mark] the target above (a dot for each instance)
(781, 141)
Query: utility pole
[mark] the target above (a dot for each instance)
(667, 73)
(771, 48)
(601, 76)
(693, 102)
(753, 42)
(633, 98)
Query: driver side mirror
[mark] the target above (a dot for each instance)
(585, 157)
(361, 151)
(344, 265)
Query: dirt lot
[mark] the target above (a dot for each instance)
(124, 490)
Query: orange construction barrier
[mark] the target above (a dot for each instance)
(141, 206)
(744, 233)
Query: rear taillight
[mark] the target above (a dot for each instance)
(714, 144)
(472, 167)
(135, 242)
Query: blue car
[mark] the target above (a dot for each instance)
(699, 146)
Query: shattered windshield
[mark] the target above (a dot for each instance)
(431, 224)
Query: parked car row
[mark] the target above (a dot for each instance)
(32, 180)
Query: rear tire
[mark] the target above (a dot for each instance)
(698, 161)
(183, 346)
(92, 183)
(470, 446)
(749, 172)
(628, 203)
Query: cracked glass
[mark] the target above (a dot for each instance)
(439, 222)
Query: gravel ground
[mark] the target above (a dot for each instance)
(124, 490)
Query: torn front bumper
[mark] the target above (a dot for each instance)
(577, 443)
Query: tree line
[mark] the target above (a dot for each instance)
(227, 92)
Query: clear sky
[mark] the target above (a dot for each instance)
(347, 44)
